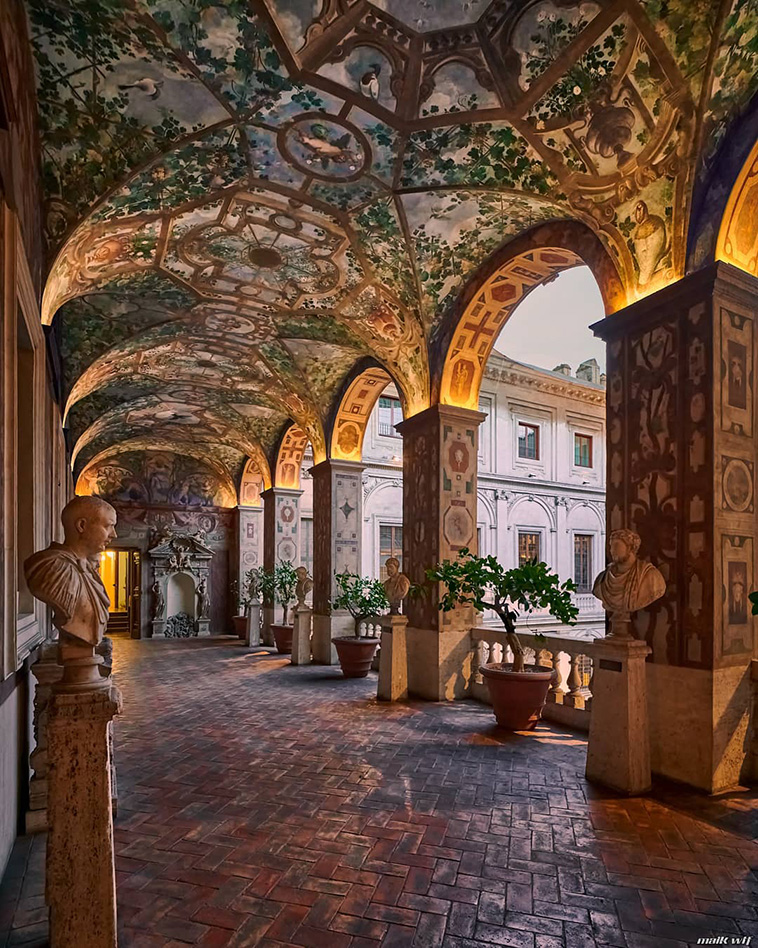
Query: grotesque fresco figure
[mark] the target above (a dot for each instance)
(66, 575)
(628, 583)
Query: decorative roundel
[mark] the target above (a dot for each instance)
(325, 147)
(229, 323)
(738, 485)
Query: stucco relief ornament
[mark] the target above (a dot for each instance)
(396, 585)
(628, 584)
(66, 577)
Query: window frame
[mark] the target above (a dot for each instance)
(530, 531)
(393, 525)
(391, 433)
(590, 538)
(532, 426)
(591, 439)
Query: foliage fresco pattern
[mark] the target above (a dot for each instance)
(241, 207)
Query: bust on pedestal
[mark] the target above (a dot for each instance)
(80, 875)
(393, 653)
(618, 752)
(301, 636)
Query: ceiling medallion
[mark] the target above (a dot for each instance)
(325, 147)
(266, 258)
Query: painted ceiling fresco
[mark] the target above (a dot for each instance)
(246, 198)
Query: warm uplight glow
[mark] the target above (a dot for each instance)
(354, 413)
(290, 458)
(738, 237)
(486, 315)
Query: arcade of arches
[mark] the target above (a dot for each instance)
(227, 226)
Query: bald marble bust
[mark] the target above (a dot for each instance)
(66, 575)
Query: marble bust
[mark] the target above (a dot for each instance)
(628, 583)
(396, 585)
(66, 575)
(303, 587)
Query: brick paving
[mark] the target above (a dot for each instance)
(263, 804)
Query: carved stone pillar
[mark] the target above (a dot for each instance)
(337, 534)
(301, 636)
(249, 539)
(440, 449)
(80, 875)
(681, 418)
(281, 539)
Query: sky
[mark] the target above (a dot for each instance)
(552, 324)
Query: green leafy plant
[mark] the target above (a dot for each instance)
(484, 583)
(279, 586)
(360, 597)
(753, 597)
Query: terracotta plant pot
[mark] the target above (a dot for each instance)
(240, 626)
(283, 638)
(517, 697)
(355, 655)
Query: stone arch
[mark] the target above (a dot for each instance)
(737, 241)
(353, 411)
(499, 287)
(256, 477)
(289, 458)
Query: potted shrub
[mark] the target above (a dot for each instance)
(279, 586)
(245, 595)
(361, 598)
(518, 692)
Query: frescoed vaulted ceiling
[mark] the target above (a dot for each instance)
(246, 198)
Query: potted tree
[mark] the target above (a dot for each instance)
(279, 586)
(361, 598)
(518, 691)
(244, 594)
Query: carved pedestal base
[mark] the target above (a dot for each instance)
(393, 660)
(47, 671)
(203, 626)
(253, 628)
(618, 754)
(301, 636)
(81, 890)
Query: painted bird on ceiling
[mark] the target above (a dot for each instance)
(369, 83)
(149, 87)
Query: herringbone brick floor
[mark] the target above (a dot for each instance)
(263, 804)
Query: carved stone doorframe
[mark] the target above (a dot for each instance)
(180, 554)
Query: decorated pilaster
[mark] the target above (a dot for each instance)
(337, 531)
(249, 539)
(440, 450)
(682, 415)
(281, 539)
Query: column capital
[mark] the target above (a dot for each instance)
(271, 492)
(337, 466)
(441, 413)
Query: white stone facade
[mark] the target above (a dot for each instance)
(549, 496)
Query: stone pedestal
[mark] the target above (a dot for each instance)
(253, 627)
(682, 422)
(301, 636)
(47, 671)
(618, 753)
(337, 532)
(80, 873)
(393, 660)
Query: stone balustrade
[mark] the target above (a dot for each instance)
(569, 700)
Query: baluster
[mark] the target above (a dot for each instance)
(544, 658)
(497, 653)
(588, 701)
(575, 698)
(556, 694)
(482, 658)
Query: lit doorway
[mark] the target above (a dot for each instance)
(120, 572)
